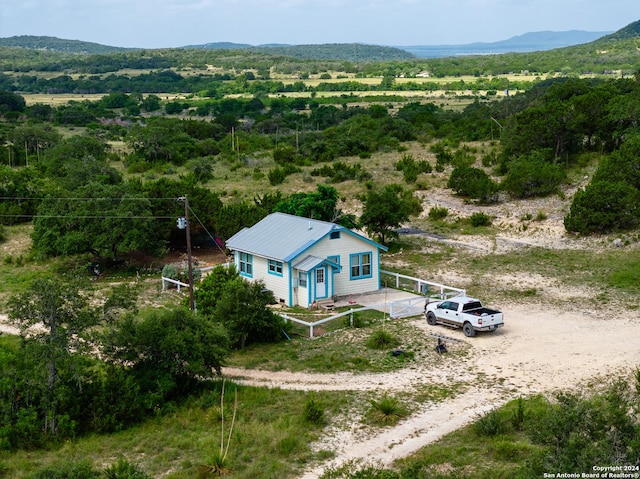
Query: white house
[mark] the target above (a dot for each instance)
(302, 260)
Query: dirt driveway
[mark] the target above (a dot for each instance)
(541, 349)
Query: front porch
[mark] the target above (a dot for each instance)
(405, 300)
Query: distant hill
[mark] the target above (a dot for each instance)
(630, 31)
(57, 45)
(529, 42)
(356, 52)
(326, 51)
(219, 46)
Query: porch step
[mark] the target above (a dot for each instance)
(327, 305)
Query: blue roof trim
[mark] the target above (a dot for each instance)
(367, 240)
(284, 237)
(301, 250)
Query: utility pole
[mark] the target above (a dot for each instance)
(190, 269)
(185, 223)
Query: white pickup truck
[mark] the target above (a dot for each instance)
(465, 313)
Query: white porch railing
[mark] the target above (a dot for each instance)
(312, 324)
(179, 284)
(420, 286)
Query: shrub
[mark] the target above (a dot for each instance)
(170, 271)
(381, 339)
(602, 207)
(123, 469)
(438, 213)
(491, 424)
(356, 470)
(313, 411)
(489, 159)
(517, 420)
(411, 168)
(443, 155)
(356, 322)
(533, 176)
(480, 219)
(68, 470)
(216, 465)
(473, 183)
(541, 216)
(276, 176)
(387, 410)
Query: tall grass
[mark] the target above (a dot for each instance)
(271, 438)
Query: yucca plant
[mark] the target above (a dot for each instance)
(387, 410)
(217, 463)
(381, 339)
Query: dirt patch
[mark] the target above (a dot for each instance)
(557, 339)
(541, 349)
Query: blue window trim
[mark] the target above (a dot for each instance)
(334, 259)
(275, 267)
(360, 274)
(245, 264)
(334, 235)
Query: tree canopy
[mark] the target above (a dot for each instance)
(387, 209)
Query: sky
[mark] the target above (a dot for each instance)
(175, 23)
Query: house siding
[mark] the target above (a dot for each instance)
(278, 285)
(344, 247)
(313, 245)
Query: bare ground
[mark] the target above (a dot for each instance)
(555, 343)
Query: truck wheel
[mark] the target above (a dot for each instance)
(431, 318)
(468, 330)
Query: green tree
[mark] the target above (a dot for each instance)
(169, 350)
(161, 140)
(212, 286)
(386, 209)
(21, 185)
(105, 220)
(55, 315)
(473, 183)
(603, 207)
(531, 175)
(33, 140)
(10, 101)
(151, 103)
(243, 310)
(320, 205)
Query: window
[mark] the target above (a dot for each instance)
(334, 259)
(360, 265)
(449, 305)
(275, 267)
(302, 279)
(334, 235)
(245, 263)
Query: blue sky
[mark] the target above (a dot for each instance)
(174, 23)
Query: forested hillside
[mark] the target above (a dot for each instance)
(615, 52)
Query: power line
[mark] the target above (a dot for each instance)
(94, 217)
(28, 198)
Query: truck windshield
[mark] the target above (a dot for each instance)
(471, 306)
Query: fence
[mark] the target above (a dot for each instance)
(179, 284)
(420, 286)
(311, 325)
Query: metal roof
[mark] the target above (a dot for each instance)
(281, 236)
(310, 262)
